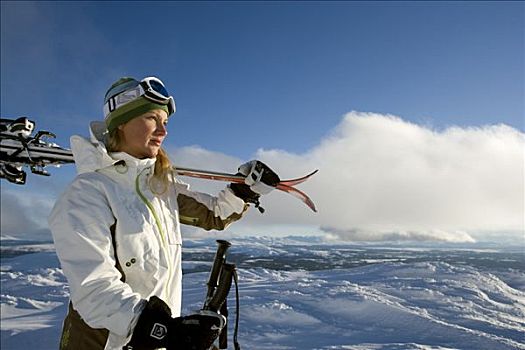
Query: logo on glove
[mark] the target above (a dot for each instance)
(159, 331)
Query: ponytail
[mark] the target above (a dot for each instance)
(161, 174)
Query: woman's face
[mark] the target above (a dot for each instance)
(142, 136)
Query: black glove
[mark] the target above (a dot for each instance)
(157, 329)
(260, 179)
(244, 192)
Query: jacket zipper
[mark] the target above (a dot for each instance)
(159, 228)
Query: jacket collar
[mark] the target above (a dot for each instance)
(92, 155)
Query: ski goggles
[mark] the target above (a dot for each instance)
(151, 88)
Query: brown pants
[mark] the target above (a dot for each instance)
(77, 335)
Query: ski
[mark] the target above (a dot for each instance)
(19, 149)
(300, 180)
(36, 153)
(285, 185)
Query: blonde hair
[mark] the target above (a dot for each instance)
(162, 169)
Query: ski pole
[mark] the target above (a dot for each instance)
(220, 258)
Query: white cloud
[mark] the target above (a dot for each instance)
(379, 173)
(24, 216)
(197, 157)
(375, 236)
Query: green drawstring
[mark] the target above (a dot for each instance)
(157, 222)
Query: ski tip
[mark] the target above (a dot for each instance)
(312, 173)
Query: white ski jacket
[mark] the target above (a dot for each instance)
(119, 243)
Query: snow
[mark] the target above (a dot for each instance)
(33, 300)
(400, 301)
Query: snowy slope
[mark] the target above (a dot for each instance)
(386, 306)
(33, 301)
(390, 304)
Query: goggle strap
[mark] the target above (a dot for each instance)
(111, 104)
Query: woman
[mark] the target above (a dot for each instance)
(117, 228)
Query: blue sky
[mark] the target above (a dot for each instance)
(265, 75)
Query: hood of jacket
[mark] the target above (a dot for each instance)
(91, 154)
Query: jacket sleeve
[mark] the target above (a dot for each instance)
(80, 223)
(207, 211)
